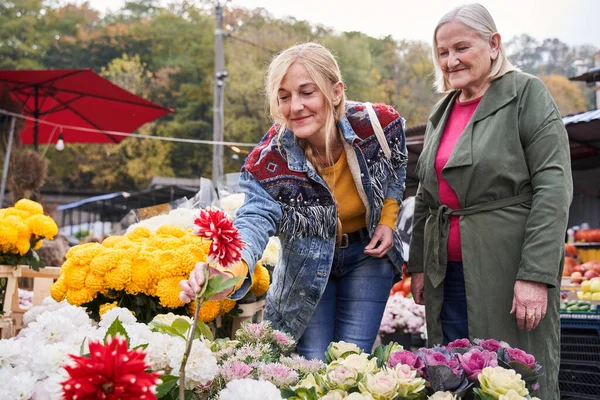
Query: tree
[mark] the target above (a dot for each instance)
(568, 95)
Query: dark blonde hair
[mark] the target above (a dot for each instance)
(324, 71)
(478, 18)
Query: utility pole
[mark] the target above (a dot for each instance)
(219, 78)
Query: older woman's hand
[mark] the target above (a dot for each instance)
(192, 286)
(381, 242)
(529, 303)
(417, 287)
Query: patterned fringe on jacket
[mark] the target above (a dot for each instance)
(309, 221)
(384, 169)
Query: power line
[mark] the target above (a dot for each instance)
(258, 46)
(133, 135)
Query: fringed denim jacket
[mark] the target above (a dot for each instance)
(284, 196)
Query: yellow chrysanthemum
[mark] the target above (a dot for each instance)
(171, 230)
(227, 305)
(168, 292)
(30, 206)
(139, 233)
(75, 279)
(42, 226)
(141, 274)
(22, 246)
(94, 283)
(119, 278)
(111, 241)
(58, 290)
(8, 234)
(11, 211)
(163, 242)
(163, 264)
(209, 311)
(83, 254)
(260, 280)
(106, 261)
(21, 228)
(78, 297)
(106, 306)
(38, 244)
(185, 260)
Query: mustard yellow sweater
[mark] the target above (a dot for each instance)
(351, 209)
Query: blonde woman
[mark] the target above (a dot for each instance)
(323, 182)
(491, 210)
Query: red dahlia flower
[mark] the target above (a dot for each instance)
(227, 244)
(112, 372)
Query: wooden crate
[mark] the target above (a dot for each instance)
(252, 312)
(42, 281)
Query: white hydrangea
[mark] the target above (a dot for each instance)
(17, 384)
(250, 389)
(182, 217)
(125, 316)
(50, 388)
(201, 366)
(48, 304)
(230, 204)
(160, 347)
(10, 351)
(50, 328)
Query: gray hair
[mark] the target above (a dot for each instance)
(478, 18)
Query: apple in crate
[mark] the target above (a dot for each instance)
(595, 285)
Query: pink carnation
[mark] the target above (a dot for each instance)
(522, 357)
(406, 358)
(474, 361)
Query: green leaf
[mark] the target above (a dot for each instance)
(168, 383)
(204, 330)
(162, 328)
(188, 395)
(300, 393)
(116, 328)
(142, 346)
(181, 326)
(217, 284)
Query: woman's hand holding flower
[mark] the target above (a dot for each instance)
(193, 286)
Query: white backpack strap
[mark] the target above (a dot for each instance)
(378, 130)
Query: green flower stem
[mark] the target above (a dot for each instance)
(190, 338)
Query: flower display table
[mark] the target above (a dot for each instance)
(42, 281)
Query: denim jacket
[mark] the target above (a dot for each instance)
(285, 196)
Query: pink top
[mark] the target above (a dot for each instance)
(457, 121)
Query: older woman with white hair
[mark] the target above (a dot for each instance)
(491, 210)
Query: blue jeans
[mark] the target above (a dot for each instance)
(455, 322)
(352, 305)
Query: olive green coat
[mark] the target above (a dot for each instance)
(514, 144)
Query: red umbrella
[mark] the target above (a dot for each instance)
(78, 98)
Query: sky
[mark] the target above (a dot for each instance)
(574, 22)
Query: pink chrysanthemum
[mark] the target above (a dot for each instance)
(112, 372)
(227, 244)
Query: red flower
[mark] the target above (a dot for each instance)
(227, 244)
(112, 372)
